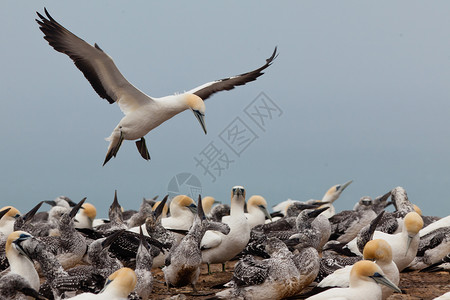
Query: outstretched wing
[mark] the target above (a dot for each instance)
(97, 66)
(206, 90)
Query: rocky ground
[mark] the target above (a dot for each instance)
(416, 285)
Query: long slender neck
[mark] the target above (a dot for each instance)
(173, 103)
(237, 207)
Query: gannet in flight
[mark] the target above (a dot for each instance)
(142, 113)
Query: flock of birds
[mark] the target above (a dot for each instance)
(67, 253)
(301, 250)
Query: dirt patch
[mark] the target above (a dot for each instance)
(416, 285)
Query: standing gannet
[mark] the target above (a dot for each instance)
(404, 244)
(363, 284)
(257, 211)
(117, 287)
(182, 266)
(70, 246)
(379, 251)
(19, 261)
(85, 216)
(144, 262)
(219, 248)
(142, 113)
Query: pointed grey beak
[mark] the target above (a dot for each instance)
(201, 119)
(345, 185)
(193, 208)
(266, 213)
(380, 279)
(408, 244)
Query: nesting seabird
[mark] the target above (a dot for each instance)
(12, 286)
(257, 211)
(442, 265)
(117, 287)
(208, 203)
(182, 266)
(144, 261)
(282, 275)
(142, 113)
(406, 243)
(379, 251)
(19, 261)
(330, 196)
(433, 247)
(219, 248)
(85, 216)
(70, 246)
(364, 279)
(9, 216)
(346, 224)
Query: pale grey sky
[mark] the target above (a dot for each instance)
(361, 92)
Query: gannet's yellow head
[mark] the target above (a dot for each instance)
(13, 212)
(123, 280)
(181, 203)
(335, 191)
(196, 104)
(365, 270)
(89, 210)
(260, 203)
(13, 242)
(413, 223)
(207, 204)
(238, 191)
(378, 250)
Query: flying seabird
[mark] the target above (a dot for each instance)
(364, 279)
(219, 248)
(142, 113)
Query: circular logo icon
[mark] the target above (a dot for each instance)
(184, 184)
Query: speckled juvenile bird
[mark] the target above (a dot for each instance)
(182, 266)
